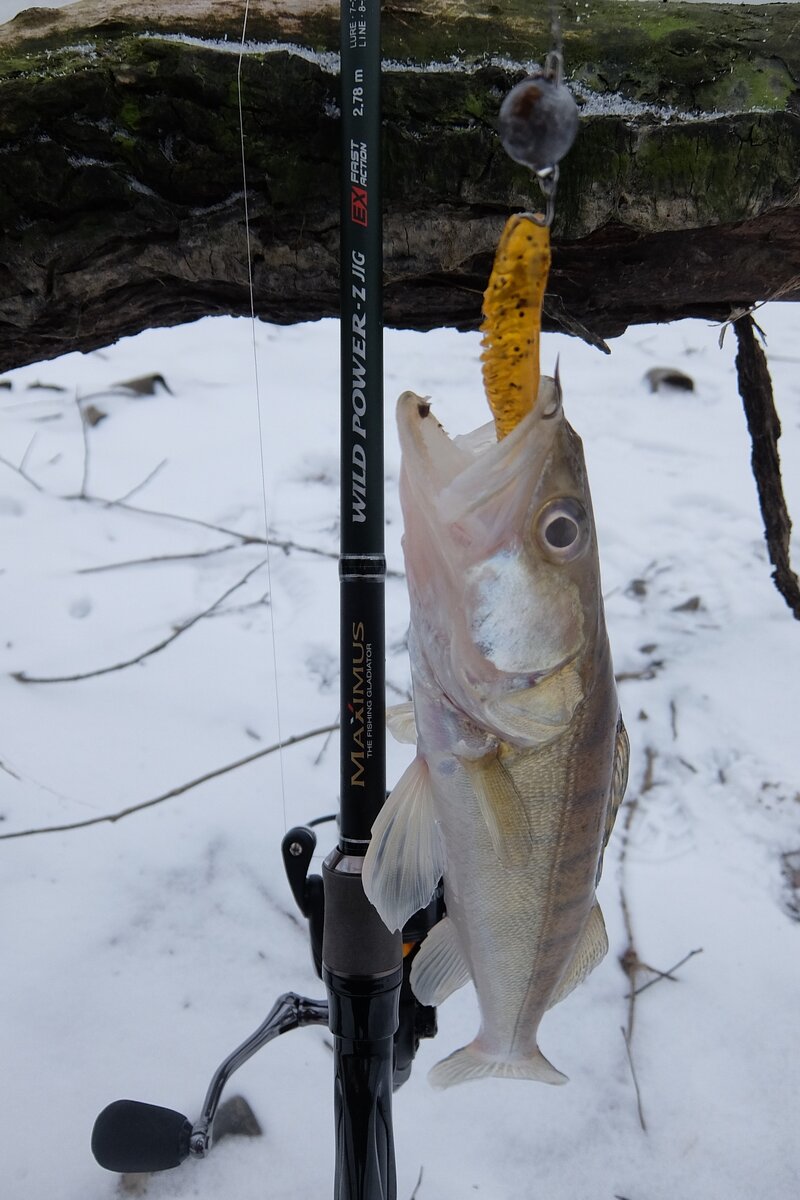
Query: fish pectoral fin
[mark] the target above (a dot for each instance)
(401, 723)
(619, 781)
(405, 859)
(503, 810)
(534, 716)
(591, 950)
(439, 968)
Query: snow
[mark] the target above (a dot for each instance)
(137, 954)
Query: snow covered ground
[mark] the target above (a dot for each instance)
(136, 954)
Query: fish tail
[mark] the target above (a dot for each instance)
(471, 1063)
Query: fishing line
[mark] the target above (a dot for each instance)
(267, 521)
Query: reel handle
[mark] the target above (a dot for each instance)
(131, 1136)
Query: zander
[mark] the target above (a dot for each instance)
(522, 756)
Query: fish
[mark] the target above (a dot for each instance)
(521, 753)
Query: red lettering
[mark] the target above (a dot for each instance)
(358, 205)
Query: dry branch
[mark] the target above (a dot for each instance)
(176, 791)
(24, 677)
(755, 388)
(629, 960)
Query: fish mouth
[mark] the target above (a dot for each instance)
(460, 475)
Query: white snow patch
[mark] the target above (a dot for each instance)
(137, 954)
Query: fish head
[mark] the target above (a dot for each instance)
(501, 553)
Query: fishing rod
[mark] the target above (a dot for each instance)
(362, 962)
(370, 1010)
(375, 1020)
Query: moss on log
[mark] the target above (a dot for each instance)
(121, 188)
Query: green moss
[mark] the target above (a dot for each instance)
(750, 84)
(475, 105)
(165, 114)
(679, 53)
(129, 114)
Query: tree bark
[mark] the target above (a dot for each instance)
(121, 191)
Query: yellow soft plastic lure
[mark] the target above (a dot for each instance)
(512, 310)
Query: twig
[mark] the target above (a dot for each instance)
(245, 539)
(8, 770)
(640, 1110)
(648, 780)
(235, 609)
(785, 289)
(647, 672)
(176, 791)
(28, 449)
(417, 1186)
(157, 558)
(22, 677)
(22, 472)
(325, 745)
(755, 388)
(139, 486)
(629, 960)
(85, 434)
(242, 539)
(670, 974)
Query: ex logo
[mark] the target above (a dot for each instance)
(358, 205)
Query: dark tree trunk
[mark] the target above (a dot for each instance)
(121, 185)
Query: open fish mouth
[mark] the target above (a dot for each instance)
(463, 473)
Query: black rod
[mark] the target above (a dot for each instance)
(361, 960)
(362, 565)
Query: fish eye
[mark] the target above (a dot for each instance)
(562, 528)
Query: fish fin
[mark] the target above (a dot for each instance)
(439, 968)
(405, 859)
(401, 723)
(591, 950)
(503, 810)
(619, 781)
(534, 716)
(471, 1063)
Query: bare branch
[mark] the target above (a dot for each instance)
(23, 461)
(22, 472)
(670, 974)
(157, 558)
(85, 436)
(755, 388)
(639, 1108)
(176, 791)
(245, 539)
(324, 746)
(139, 486)
(8, 771)
(649, 671)
(22, 677)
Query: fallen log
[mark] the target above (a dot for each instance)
(121, 186)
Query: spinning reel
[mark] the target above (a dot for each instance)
(131, 1136)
